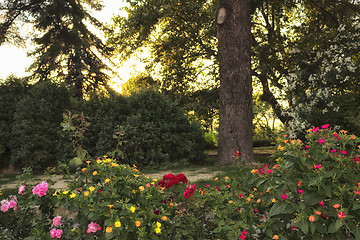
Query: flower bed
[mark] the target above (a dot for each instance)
(310, 191)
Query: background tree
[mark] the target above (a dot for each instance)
(286, 36)
(65, 47)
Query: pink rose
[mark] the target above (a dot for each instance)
(4, 208)
(300, 191)
(59, 233)
(325, 126)
(333, 150)
(53, 233)
(22, 189)
(321, 203)
(57, 221)
(284, 196)
(343, 152)
(321, 141)
(12, 204)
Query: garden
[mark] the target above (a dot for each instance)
(307, 189)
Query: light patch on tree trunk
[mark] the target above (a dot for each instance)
(221, 16)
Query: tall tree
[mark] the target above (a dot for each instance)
(234, 54)
(66, 49)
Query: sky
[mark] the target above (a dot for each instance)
(14, 60)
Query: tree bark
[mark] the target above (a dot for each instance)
(234, 55)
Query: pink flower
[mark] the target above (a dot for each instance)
(59, 233)
(321, 141)
(244, 232)
(325, 126)
(307, 146)
(186, 194)
(240, 195)
(321, 203)
(284, 196)
(255, 210)
(356, 159)
(343, 152)
(300, 191)
(269, 171)
(338, 138)
(22, 189)
(317, 166)
(57, 221)
(242, 237)
(333, 150)
(12, 204)
(53, 233)
(40, 189)
(315, 129)
(207, 185)
(93, 227)
(5, 208)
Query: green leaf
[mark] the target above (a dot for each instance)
(356, 206)
(315, 181)
(334, 227)
(304, 226)
(278, 208)
(30, 238)
(218, 229)
(76, 161)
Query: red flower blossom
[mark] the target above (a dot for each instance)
(284, 196)
(237, 153)
(341, 215)
(321, 141)
(300, 191)
(321, 203)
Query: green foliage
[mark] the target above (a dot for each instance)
(35, 140)
(105, 116)
(11, 91)
(157, 131)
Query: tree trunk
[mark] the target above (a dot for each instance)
(234, 54)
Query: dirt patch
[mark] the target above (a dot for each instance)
(61, 182)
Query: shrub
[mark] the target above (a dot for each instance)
(11, 91)
(157, 131)
(105, 116)
(36, 140)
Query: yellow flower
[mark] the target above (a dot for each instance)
(230, 201)
(108, 160)
(55, 193)
(95, 173)
(227, 178)
(141, 188)
(117, 224)
(107, 180)
(259, 200)
(273, 200)
(91, 189)
(72, 195)
(157, 230)
(132, 209)
(109, 229)
(65, 192)
(135, 175)
(98, 161)
(86, 193)
(155, 180)
(158, 224)
(114, 164)
(216, 179)
(137, 223)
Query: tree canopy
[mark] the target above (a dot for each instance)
(65, 48)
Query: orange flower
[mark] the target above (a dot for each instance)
(83, 170)
(86, 193)
(141, 188)
(336, 206)
(275, 237)
(352, 136)
(164, 218)
(147, 185)
(171, 204)
(109, 229)
(137, 223)
(285, 141)
(88, 162)
(357, 192)
(343, 131)
(107, 180)
(110, 206)
(311, 218)
(318, 213)
(94, 173)
(341, 214)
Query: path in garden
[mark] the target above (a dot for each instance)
(61, 182)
